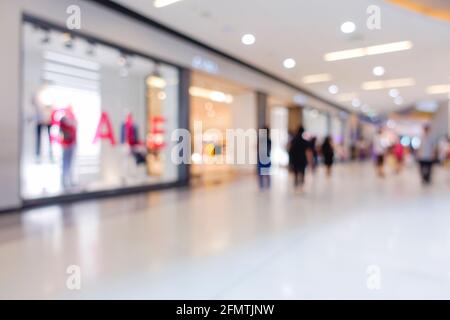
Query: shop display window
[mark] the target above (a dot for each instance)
(94, 117)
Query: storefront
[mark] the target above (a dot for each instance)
(90, 112)
(218, 106)
(95, 117)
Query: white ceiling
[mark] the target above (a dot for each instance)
(306, 30)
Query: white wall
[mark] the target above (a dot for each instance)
(9, 106)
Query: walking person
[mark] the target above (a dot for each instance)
(379, 152)
(399, 154)
(328, 154)
(300, 154)
(264, 161)
(427, 155)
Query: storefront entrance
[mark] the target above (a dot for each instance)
(218, 105)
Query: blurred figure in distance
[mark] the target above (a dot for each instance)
(328, 154)
(427, 155)
(300, 153)
(399, 154)
(379, 152)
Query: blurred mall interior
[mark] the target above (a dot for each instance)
(348, 99)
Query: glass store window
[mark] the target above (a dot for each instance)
(94, 118)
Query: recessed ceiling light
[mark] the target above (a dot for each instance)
(348, 27)
(438, 89)
(289, 63)
(393, 93)
(317, 78)
(248, 39)
(356, 103)
(164, 3)
(333, 89)
(368, 51)
(378, 71)
(386, 84)
(398, 101)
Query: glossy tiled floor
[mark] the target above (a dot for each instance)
(352, 236)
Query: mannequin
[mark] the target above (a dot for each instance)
(42, 103)
(68, 129)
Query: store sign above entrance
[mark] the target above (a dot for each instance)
(206, 65)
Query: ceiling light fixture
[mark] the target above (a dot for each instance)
(164, 3)
(248, 39)
(333, 89)
(317, 78)
(356, 103)
(439, 89)
(216, 96)
(399, 100)
(156, 80)
(368, 51)
(348, 27)
(378, 71)
(289, 63)
(386, 84)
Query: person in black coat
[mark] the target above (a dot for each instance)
(328, 154)
(300, 153)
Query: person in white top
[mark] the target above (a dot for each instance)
(379, 151)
